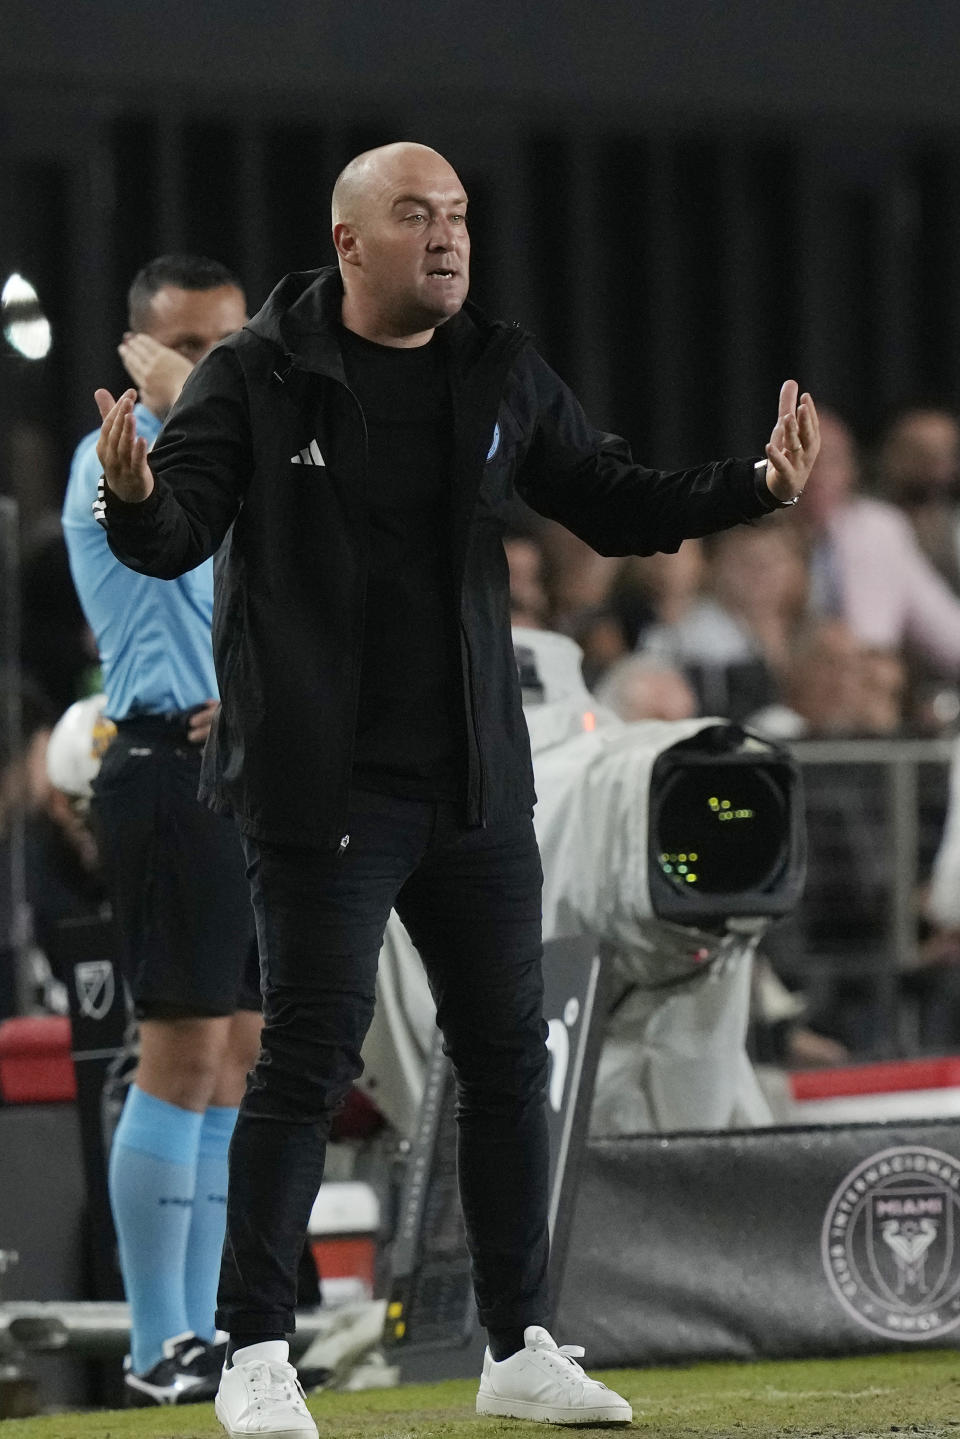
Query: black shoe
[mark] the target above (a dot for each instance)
(313, 1378)
(188, 1373)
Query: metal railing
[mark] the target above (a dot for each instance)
(893, 793)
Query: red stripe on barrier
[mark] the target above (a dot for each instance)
(885, 1077)
(35, 1062)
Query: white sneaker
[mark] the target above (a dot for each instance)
(545, 1382)
(260, 1394)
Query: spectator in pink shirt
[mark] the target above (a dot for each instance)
(918, 469)
(866, 566)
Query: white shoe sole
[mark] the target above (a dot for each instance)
(263, 1433)
(614, 1413)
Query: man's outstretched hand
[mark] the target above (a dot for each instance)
(121, 452)
(794, 444)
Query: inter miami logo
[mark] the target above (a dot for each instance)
(95, 987)
(889, 1243)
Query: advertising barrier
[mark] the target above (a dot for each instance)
(768, 1243)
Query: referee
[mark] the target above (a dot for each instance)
(175, 871)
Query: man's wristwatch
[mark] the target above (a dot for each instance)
(761, 472)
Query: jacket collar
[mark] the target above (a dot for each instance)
(309, 327)
(302, 317)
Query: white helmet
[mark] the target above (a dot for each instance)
(77, 745)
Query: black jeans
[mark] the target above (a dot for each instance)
(470, 900)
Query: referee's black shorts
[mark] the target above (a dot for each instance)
(177, 878)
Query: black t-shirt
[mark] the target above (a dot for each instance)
(410, 720)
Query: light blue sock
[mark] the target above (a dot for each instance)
(153, 1166)
(208, 1220)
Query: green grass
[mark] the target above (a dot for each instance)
(862, 1398)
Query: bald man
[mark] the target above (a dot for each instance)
(363, 436)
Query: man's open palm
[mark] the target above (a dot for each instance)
(121, 452)
(794, 444)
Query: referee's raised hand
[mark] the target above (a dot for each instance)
(120, 451)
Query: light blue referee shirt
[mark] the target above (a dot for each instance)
(153, 635)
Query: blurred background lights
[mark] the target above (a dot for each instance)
(25, 326)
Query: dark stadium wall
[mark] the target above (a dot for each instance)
(883, 58)
(684, 202)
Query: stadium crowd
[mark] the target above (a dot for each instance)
(840, 620)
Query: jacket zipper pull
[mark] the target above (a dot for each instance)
(342, 849)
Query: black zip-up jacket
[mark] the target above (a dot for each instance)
(291, 573)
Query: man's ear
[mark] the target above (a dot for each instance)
(347, 242)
